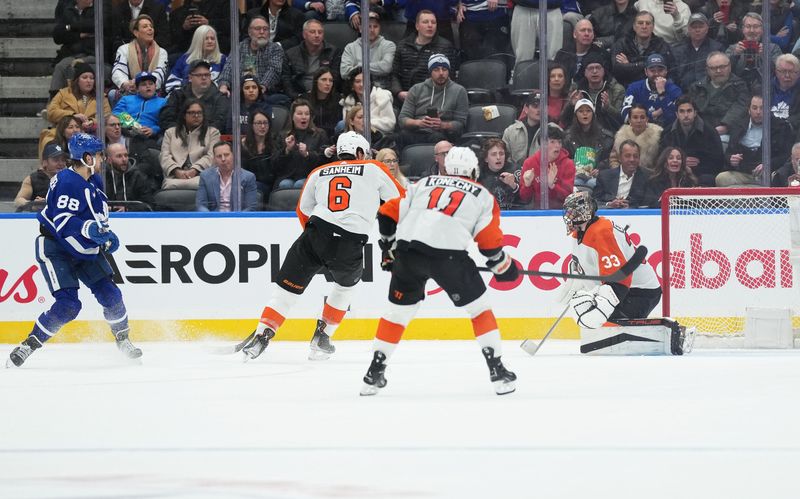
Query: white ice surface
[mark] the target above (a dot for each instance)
(77, 422)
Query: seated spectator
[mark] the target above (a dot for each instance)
(670, 171)
(216, 105)
(781, 24)
(629, 54)
(656, 91)
(260, 57)
(216, 184)
(693, 52)
(381, 111)
(670, 18)
(788, 175)
(612, 21)
(388, 157)
(287, 21)
(204, 46)
(560, 172)
(724, 18)
(141, 54)
(598, 85)
(354, 122)
(123, 182)
(258, 150)
(746, 54)
(744, 151)
(721, 97)
(123, 12)
(186, 149)
(303, 60)
(572, 60)
(34, 187)
(191, 15)
(323, 10)
(300, 147)
(435, 109)
(324, 100)
(114, 131)
(482, 28)
(646, 135)
(622, 187)
(499, 175)
(440, 150)
(381, 55)
(522, 136)
(524, 28)
(77, 100)
(414, 51)
(557, 92)
(786, 90)
(251, 99)
(699, 140)
(74, 32)
(585, 132)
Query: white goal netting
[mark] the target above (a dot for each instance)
(729, 249)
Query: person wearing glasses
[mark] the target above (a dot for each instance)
(721, 97)
(388, 157)
(786, 90)
(217, 106)
(187, 148)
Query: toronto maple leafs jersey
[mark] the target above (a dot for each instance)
(639, 92)
(72, 203)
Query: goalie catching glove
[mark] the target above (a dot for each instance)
(503, 267)
(593, 308)
(388, 247)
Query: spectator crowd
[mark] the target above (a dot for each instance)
(641, 96)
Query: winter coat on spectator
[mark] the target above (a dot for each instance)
(602, 141)
(381, 110)
(132, 185)
(289, 28)
(692, 63)
(611, 25)
(520, 145)
(127, 64)
(411, 62)
(174, 154)
(786, 104)
(146, 112)
(64, 103)
(507, 197)
(649, 143)
(381, 59)
(703, 143)
(412, 7)
(569, 59)
(726, 105)
(293, 165)
(327, 113)
(451, 101)
(70, 39)
(633, 70)
(670, 29)
(268, 62)
(218, 15)
(780, 177)
(565, 179)
(121, 17)
(179, 75)
(608, 117)
(717, 30)
(217, 107)
(748, 68)
(296, 74)
(641, 93)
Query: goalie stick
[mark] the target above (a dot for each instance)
(620, 275)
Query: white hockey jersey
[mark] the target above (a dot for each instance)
(347, 194)
(447, 213)
(605, 247)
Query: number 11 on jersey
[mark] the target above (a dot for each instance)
(456, 197)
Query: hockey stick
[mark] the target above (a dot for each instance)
(620, 275)
(531, 347)
(227, 350)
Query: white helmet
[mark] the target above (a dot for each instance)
(461, 162)
(350, 143)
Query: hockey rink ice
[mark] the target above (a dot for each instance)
(79, 422)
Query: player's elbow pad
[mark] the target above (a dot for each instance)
(593, 308)
(387, 226)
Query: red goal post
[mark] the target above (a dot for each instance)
(725, 250)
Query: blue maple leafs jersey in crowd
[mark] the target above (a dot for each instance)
(640, 92)
(72, 203)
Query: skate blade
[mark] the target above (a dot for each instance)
(10, 364)
(504, 387)
(316, 355)
(368, 390)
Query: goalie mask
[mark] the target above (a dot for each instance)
(82, 144)
(461, 162)
(579, 208)
(350, 143)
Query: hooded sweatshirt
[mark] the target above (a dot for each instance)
(565, 179)
(450, 100)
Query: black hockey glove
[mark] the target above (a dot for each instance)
(387, 254)
(503, 267)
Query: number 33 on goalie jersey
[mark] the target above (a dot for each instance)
(447, 213)
(604, 247)
(347, 194)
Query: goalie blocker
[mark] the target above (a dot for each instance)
(657, 336)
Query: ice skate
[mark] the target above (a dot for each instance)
(374, 380)
(126, 347)
(321, 348)
(502, 378)
(22, 352)
(257, 344)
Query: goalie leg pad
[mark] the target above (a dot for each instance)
(593, 308)
(634, 337)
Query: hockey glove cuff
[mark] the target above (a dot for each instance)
(503, 267)
(388, 247)
(94, 231)
(112, 244)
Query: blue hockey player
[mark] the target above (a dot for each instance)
(74, 237)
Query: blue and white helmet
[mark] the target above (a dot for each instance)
(83, 143)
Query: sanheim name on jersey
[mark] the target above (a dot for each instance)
(457, 183)
(342, 170)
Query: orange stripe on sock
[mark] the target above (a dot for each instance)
(484, 323)
(389, 331)
(332, 315)
(272, 318)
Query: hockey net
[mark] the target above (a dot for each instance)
(729, 249)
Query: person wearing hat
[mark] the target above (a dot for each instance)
(596, 83)
(693, 51)
(381, 55)
(144, 106)
(629, 54)
(34, 186)
(217, 106)
(671, 18)
(435, 109)
(586, 132)
(655, 91)
(560, 172)
(141, 54)
(583, 34)
(522, 136)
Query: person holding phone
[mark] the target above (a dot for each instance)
(435, 109)
(671, 18)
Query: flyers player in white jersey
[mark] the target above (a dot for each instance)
(602, 248)
(336, 209)
(425, 235)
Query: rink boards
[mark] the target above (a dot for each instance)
(199, 276)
